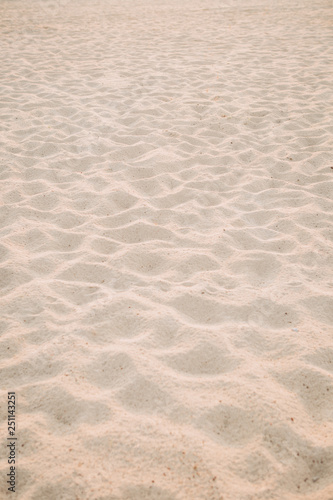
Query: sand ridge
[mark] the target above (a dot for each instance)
(166, 249)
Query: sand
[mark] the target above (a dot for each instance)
(166, 262)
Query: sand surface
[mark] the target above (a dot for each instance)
(166, 262)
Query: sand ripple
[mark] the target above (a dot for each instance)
(166, 256)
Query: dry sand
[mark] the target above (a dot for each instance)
(166, 284)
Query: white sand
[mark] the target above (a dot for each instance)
(166, 284)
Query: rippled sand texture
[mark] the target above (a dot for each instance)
(166, 262)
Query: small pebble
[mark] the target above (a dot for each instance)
(295, 329)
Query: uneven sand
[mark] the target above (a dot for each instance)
(166, 262)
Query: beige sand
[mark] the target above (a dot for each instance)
(166, 285)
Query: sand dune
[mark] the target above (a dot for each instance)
(166, 252)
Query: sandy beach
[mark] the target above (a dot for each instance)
(166, 260)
